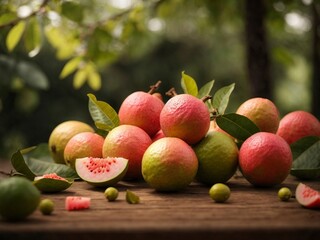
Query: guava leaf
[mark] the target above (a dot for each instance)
(306, 158)
(189, 85)
(70, 67)
(15, 35)
(103, 115)
(237, 125)
(33, 37)
(220, 99)
(205, 90)
(72, 10)
(31, 167)
(40, 152)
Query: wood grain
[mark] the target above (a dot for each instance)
(250, 213)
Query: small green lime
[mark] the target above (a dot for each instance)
(46, 206)
(219, 192)
(284, 194)
(111, 194)
(18, 198)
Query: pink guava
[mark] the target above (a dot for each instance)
(52, 182)
(101, 172)
(307, 196)
(77, 203)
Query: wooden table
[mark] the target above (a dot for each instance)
(250, 213)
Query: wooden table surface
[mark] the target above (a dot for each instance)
(250, 213)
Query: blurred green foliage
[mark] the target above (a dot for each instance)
(52, 53)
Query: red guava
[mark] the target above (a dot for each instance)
(51, 182)
(77, 203)
(101, 172)
(307, 196)
(186, 117)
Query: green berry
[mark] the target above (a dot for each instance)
(46, 206)
(111, 194)
(284, 194)
(219, 192)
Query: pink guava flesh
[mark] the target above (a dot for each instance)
(77, 203)
(50, 175)
(307, 196)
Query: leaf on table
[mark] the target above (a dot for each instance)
(103, 115)
(237, 125)
(306, 158)
(32, 167)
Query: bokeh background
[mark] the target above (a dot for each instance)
(267, 48)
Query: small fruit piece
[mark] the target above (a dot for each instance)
(265, 159)
(77, 203)
(141, 109)
(307, 196)
(46, 206)
(101, 172)
(111, 194)
(218, 158)
(85, 144)
(219, 192)
(284, 194)
(169, 164)
(60, 136)
(262, 112)
(51, 182)
(186, 117)
(130, 142)
(19, 198)
(131, 197)
(298, 124)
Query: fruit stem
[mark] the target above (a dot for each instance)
(5, 173)
(172, 92)
(206, 98)
(154, 87)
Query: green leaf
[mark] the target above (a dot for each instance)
(40, 152)
(94, 80)
(32, 75)
(80, 78)
(15, 35)
(33, 37)
(31, 167)
(70, 67)
(103, 115)
(306, 158)
(189, 85)
(237, 125)
(220, 99)
(72, 10)
(205, 90)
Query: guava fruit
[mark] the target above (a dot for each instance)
(263, 112)
(298, 124)
(19, 198)
(60, 136)
(307, 196)
(142, 109)
(169, 164)
(84, 144)
(51, 183)
(218, 158)
(130, 142)
(186, 117)
(77, 203)
(265, 159)
(101, 172)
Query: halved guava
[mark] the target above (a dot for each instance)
(52, 182)
(307, 196)
(77, 203)
(101, 172)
